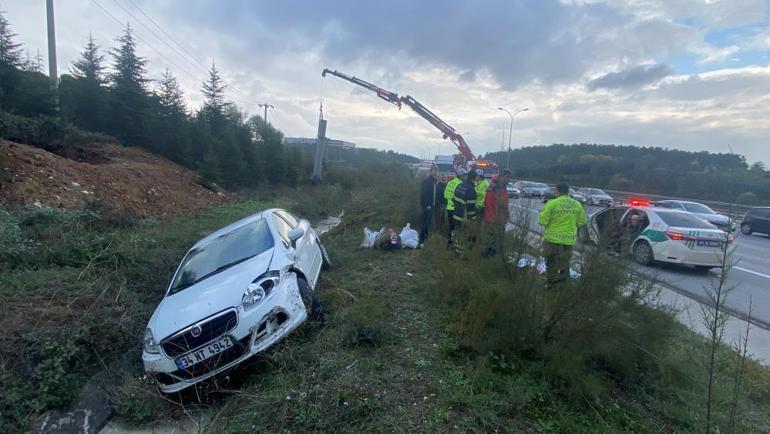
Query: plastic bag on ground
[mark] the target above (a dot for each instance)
(409, 237)
(370, 237)
(539, 265)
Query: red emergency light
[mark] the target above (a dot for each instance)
(635, 201)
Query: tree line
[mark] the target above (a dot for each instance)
(109, 93)
(703, 175)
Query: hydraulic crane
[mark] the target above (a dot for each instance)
(395, 99)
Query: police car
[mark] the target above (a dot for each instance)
(662, 234)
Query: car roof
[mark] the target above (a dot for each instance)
(233, 226)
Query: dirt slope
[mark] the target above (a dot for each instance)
(124, 178)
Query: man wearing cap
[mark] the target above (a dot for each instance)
(560, 219)
(449, 194)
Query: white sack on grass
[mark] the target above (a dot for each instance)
(370, 237)
(409, 237)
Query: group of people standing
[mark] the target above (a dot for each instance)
(470, 196)
(467, 196)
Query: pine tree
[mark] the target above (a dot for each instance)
(10, 50)
(129, 91)
(32, 64)
(214, 91)
(89, 65)
(170, 94)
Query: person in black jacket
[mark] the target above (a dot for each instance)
(428, 202)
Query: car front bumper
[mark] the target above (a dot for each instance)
(275, 317)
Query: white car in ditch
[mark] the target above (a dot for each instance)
(236, 292)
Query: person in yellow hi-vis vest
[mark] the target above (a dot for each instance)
(449, 194)
(560, 219)
(482, 184)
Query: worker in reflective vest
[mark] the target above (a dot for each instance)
(561, 217)
(482, 184)
(465, 199)
(449, 194)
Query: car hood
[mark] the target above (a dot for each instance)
(207, 297)
(600, 197)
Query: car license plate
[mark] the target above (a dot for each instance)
(709, 243)
(201, 354)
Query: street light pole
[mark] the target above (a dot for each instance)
(53, 74)
(510, 134)
(266, 106)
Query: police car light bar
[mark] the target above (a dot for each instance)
(635, 201)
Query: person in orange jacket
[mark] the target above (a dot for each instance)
(496, 199)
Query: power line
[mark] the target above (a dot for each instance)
(241, 100)
(181, 46)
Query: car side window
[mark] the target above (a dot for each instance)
(293, 221)
(282, 227)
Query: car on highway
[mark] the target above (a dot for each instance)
(595, 196)
(551, 193)
(235, 293)
(531, 189)
(756, 219)
(719, 220)
(513, 192)
(661, 235)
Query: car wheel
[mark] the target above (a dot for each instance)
(643, 253)
(326, 262)
(746, 229)
(312, 304)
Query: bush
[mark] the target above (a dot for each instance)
(48, 133)
(585, 345)
(747, 198)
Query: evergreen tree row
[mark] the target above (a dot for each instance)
(114, 96)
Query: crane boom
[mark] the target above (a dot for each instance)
(416, 106)
(386, 95)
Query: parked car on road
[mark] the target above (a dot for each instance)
(513, 192)
(595, 196)
(757, 219)
(719, 220)
(663, 235)
(236, 292)
(531, 189)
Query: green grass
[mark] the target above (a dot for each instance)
(448, 347)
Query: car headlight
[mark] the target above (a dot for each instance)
(150, 346)
(260, 288)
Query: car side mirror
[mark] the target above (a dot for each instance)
(296, 234)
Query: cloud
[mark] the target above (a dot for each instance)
(631, 78)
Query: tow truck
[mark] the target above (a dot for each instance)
(464, 158)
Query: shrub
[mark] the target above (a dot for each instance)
(48, 133)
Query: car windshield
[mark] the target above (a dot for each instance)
(222, 253)
(596, 191)
(699, 208)
(684, 220)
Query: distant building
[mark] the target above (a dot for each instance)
(312, 141)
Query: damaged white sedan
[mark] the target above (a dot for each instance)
(236, 292)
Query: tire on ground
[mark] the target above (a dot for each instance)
(313, 305)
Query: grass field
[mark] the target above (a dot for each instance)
(415, 340)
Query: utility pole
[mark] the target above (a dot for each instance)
(320, 147)
(53, 74)
(265, 105)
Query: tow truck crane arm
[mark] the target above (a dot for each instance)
(424, 112)
(386, 95)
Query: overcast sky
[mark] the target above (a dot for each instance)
(686, 74)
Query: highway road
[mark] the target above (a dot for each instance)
(749, 278)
